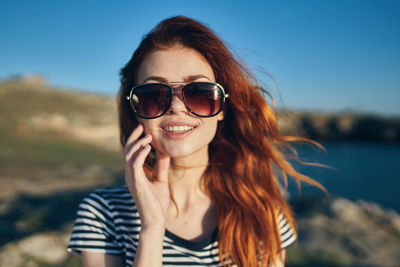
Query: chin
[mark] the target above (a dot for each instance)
(187, 151)
(178, 153)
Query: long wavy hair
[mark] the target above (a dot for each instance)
(245, 154)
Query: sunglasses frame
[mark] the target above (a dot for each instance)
(173, 92)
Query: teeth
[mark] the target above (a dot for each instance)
(178, 129)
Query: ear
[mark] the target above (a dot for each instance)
(220, 116)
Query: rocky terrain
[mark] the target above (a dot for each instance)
(340, 232)
(57, 145)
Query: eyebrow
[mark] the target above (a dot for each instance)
(186, 79)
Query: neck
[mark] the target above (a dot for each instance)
(185, 177)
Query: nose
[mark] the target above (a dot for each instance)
(177, 102)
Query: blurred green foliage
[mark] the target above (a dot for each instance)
(296, 257)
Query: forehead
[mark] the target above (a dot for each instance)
(175, 65)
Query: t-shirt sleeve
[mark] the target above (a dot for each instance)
(286, 231)
(94, 227)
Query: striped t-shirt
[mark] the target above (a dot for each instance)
(108, 222)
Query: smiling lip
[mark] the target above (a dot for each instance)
(177, 130)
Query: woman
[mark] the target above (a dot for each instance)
(201, 152)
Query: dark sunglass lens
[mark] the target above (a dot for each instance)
(151, 100)
(203, 99)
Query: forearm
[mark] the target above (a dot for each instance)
(149, 252)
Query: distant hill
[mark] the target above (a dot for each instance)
(30, 104)
(340, 126)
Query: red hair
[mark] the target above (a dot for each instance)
(240, 178)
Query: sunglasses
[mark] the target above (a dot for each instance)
(152, 100)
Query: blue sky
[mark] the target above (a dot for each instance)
(325, 55)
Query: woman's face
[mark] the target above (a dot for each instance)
(178, 132)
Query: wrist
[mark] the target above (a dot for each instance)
(152, 232)
(149, 251)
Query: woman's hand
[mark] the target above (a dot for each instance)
(152, 198)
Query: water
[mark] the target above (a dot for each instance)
(363, 170)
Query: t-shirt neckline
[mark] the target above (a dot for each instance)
(193, 245)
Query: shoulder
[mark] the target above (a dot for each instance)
(112, 192)
(98, 221)
(106, 201)
(287, 233)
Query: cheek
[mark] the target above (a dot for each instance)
(150, 126)
(210, 129)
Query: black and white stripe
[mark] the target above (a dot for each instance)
(108, 222)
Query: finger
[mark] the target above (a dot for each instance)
(132, 150)
(135, 134)
(141, 156)
(163, 162)
(135, 167)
